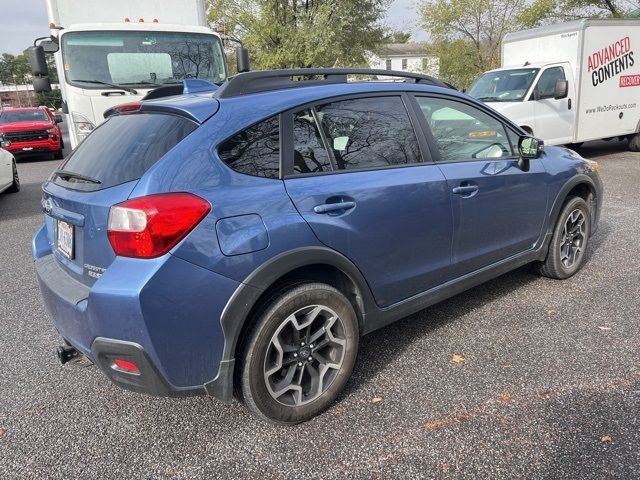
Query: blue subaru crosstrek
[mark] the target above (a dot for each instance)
(239, 239)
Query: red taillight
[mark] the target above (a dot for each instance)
(148, 227)
(125, 365)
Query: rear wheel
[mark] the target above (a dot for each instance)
(299, 354)
(634, 143)
(569, 242)
(58, 155)
(15, 186)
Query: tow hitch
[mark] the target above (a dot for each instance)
(66, 353)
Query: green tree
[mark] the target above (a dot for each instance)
(551, 11)
(303, 33)
(14, 69)
(398, 37)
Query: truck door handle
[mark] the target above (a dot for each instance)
(333, 207)
(569, 104)
(465, 190)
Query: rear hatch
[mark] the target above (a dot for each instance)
(101, 172)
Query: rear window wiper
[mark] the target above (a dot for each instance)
(113, 85)
(65, 174)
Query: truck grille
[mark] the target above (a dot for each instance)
(26, 135)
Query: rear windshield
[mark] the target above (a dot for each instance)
(122, 149)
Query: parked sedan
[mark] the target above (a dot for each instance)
(9, 179)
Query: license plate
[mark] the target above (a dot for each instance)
(65, 238)
(27, 149)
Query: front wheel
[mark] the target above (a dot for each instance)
(300, 354)
(569, 242)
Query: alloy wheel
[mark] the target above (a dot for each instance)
(305, 355)
(573, 238)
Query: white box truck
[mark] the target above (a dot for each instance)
(109, 52)
(570, 83)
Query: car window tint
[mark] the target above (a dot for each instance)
(546, 86)
(254, 151)
(464, 132)
(310, 156)
(124, 147)
(369, 133)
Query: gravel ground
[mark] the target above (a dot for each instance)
(548, 385)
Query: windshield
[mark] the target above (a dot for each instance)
(503, 85)
(96, 59)
(23, 116)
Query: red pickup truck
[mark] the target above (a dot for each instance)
(31, 130)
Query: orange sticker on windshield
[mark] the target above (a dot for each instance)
(67, 67)
(483, 134)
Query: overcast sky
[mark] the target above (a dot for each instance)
(21, 21)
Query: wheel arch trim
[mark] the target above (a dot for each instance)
(236, 311)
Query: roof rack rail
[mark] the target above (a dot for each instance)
(267, 80)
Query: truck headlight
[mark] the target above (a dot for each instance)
(82, 125)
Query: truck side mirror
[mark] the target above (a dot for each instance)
(561, 90)
(242, 60)
(39, 68)
(58, 118)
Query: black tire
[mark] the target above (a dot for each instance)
(573, 146)
(259, 354)
(634, 143)
(59, 155)
(563, 247)
(15, 186)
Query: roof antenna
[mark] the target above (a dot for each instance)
(526, 63)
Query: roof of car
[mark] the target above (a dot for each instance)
(276, 96)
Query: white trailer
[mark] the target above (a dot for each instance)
(570, 83)
(115, 51)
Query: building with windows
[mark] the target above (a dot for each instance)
(410, 57)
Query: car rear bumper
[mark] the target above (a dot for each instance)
(163, 314)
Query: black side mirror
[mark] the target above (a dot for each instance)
(58, 118)
(561, 90)
(530, 147)
(50, 46)
(242, 60)
(39, 68)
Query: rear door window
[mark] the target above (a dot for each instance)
(367, 133)
(122, 149)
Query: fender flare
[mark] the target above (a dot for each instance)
(562, 196)
(237, 309)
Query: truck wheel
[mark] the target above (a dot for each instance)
(15, 186)
(634, 143)
(573, 146)
(299, 354)
(58, 155)
(569, 242)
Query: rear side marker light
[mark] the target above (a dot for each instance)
(126, 366)
(148, 227)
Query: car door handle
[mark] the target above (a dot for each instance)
(465, 189)
(333, 207)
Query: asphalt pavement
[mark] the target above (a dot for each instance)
(522, 377)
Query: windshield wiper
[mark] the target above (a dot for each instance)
(113, 85)
(76, 176)
(143, 82)
(489, 99)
